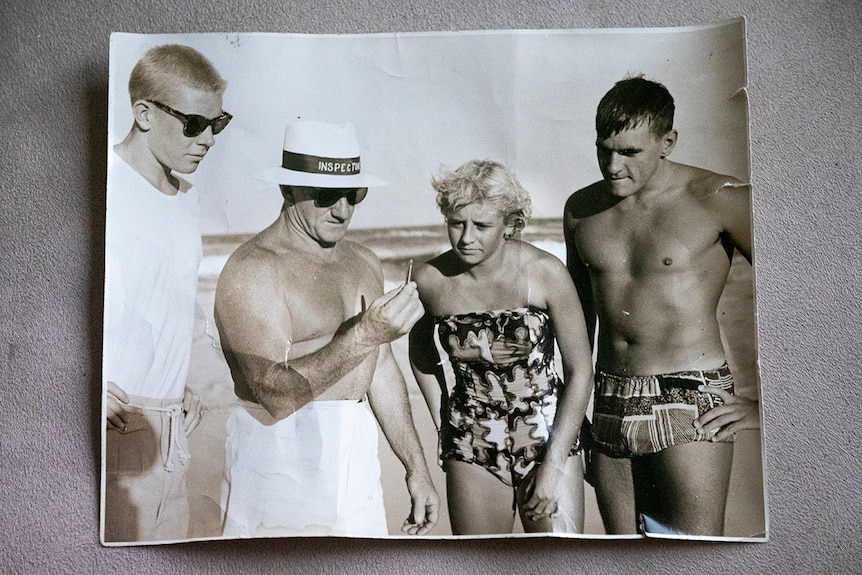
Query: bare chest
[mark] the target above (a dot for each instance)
(322, 298)
(640, 242)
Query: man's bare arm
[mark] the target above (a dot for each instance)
(391, 406)
(256, 329)
(580, 274)
(731, 206)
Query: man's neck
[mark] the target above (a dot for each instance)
(134, 151)
(290, 233)
(660, 184)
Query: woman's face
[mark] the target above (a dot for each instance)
(476, 231)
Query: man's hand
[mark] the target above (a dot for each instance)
(390, 316)
(425, 505)
(115, 402)
(722, 421)
(192, 411)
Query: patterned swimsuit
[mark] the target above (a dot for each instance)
(502, 407)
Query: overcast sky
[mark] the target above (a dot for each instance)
(424, 102)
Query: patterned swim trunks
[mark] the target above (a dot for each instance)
(644, 414)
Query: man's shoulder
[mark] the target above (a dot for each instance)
(586, 202)
(249, 261)
(726, 199)
(357, 259)
(352, 248)
(703, 184)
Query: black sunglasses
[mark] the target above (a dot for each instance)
(328, 197)
(194, 125)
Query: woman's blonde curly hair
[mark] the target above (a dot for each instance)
(479, 180)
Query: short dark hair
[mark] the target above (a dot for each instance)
(163, 67)
(630, 103)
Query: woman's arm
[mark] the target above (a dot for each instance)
(561, 300)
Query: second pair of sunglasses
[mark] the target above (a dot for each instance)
(327, 197)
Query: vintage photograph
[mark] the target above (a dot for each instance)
(431, 285)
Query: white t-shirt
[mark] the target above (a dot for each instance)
(152, 253)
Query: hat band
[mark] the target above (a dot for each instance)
(319, 164)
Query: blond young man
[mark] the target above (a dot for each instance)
(152, 252)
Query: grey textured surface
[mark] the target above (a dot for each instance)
(805, 77)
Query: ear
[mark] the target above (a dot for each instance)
(668, 142)
(142, 112)
(511, 228)
(287, 194)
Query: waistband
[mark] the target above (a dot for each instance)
(139, 403)
(263, 416)
(689, 379)
(170, 413)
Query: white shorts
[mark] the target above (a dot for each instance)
(316, 472)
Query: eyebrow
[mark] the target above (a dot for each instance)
(450, 220)
(601, 146)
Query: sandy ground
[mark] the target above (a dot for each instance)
(210, 377)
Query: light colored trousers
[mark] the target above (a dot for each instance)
(145, 494)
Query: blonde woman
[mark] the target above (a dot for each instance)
(509, 427)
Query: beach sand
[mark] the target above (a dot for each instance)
(210, 378)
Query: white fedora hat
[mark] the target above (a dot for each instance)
(320, 155)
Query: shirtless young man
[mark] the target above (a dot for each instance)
(305, 328)
(649, 248)
(152, 252)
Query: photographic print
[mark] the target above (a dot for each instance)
(431, 285)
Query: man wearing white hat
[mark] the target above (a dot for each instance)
(305, 328)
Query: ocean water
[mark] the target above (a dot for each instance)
(394, 246)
